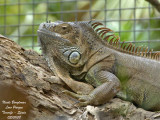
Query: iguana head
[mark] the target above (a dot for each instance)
(70, 42)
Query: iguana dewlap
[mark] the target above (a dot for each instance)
(90, 60)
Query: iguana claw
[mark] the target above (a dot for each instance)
(81, 104)
(84, 100)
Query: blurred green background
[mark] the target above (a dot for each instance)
(134, 20)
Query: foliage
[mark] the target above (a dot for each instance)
(22, 19)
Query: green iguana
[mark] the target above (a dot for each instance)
(91, 61)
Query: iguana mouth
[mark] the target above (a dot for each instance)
(47, 32)
(43, 33)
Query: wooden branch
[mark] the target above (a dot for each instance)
(155, 3)
(28, 86)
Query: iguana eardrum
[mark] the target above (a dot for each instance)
(92, 62)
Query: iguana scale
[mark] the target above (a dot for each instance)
(90, 60)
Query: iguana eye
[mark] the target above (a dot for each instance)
(74, 57)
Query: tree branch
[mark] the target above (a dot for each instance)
(25, 77)
(155, 3)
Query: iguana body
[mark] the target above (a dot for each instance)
(82, 60)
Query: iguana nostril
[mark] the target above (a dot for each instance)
(74, 57)
(64, 27)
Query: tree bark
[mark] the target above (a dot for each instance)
(29, 87)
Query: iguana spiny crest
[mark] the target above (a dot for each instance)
(112, 41)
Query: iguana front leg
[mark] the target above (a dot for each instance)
(103, 92)
(78, 87)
